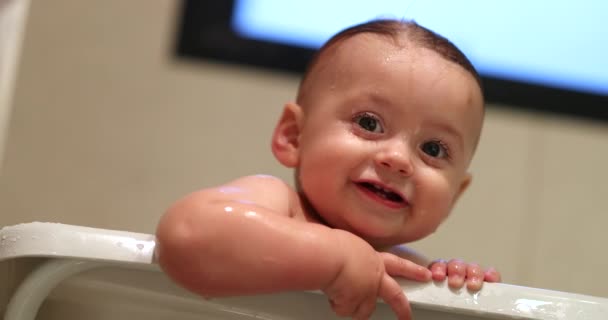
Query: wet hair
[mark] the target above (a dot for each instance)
(394, 29)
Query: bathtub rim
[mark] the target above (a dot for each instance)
(96, 247)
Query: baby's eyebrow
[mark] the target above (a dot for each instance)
(451, 131)
(377, 98)
(369, 98)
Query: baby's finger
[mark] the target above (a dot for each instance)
(366, 308)
(342, 309)
(475, 276)
(438, 269)
(399, 267)
(456, 273)
(392, 293)
(491, 275)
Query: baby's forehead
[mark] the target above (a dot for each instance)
(367, 43)
(368, 55)
(405, 43)
(339, 61)
(359, 52)
(349, 53)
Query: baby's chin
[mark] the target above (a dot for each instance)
(381, 243)
(380, 235)
(387, 236)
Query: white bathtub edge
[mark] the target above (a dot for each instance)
(129, 249)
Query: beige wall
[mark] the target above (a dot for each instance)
(108, 128)
(13, 14)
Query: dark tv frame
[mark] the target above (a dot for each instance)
(204, 32)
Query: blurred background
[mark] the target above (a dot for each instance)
(117, 108)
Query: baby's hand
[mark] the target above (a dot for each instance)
(367, 275)
(458, 272)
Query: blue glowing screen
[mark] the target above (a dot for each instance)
(556, 43)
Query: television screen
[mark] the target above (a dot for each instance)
(544, 55)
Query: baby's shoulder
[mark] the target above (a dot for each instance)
(263, 182)
(265, 191)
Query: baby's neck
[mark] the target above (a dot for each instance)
(309, 212)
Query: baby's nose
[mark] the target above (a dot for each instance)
(396, 160)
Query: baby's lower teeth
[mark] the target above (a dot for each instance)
(382, 194)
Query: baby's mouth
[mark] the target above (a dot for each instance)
(383, 192)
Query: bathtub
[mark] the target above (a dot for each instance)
(91, 273)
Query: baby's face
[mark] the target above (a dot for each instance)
(387, 137)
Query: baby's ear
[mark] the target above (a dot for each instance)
(285, 139)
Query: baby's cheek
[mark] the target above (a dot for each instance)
(436, 194)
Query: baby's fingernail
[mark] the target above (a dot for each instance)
(455, 281)
(438, 275)
(474, 284)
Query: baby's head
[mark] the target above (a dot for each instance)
(385, 125)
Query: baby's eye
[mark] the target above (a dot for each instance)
(435, 149)
(369, 122)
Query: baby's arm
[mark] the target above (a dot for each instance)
(239, 239)
(246, 237)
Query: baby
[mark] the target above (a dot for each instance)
(384, 127)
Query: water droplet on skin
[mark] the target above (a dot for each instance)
(140, 246)
(228, 209)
